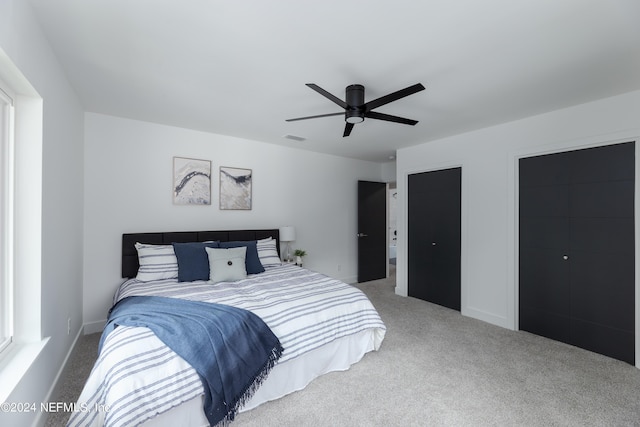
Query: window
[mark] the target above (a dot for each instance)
(6, 217)
(21, 131)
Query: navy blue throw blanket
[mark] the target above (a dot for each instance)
(231, 349)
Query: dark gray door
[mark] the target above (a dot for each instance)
(576, 259)
(434, 237)
(372, 230)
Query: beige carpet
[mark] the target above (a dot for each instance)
(437, 368)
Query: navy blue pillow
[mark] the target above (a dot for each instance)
(193, 262)
(252, 261)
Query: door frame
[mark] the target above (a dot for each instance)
(514, 212)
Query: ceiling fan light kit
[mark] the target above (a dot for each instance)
(355, 109)
(353, 116)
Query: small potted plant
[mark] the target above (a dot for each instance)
(299, 253)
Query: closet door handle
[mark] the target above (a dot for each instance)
(362, 235)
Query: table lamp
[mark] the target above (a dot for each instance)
(287, 235)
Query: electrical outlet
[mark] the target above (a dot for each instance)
(69, 326)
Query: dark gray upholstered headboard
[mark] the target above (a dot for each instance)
(130, 255)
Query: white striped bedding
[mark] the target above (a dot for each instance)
(137, 377)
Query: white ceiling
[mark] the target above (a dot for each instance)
(239, 68)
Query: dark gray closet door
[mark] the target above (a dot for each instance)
(434, 237)
(577, 248)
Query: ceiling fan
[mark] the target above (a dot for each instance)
(355, 109)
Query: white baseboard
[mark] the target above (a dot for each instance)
(86, 329)
(93, 327)
(41, 417)
(350, 280)
(486, 317)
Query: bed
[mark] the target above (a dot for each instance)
(323, 325)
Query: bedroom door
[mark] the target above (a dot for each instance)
(577, 249)
(434, 200)
(372, 231)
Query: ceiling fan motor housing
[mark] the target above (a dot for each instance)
(354, 99)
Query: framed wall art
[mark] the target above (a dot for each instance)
(191, 181)
(235, 188)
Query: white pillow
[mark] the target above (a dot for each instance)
(227, 264)
(268, 253)
(157, 262)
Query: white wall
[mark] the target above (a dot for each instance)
(488, 158)
(389, 171)
(128, 180)
(62, 202)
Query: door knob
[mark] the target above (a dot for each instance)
(362, 235)
(433, 243)
(566, 257)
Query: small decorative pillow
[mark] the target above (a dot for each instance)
(252, 262)
(268, 253)
(157, 262)
(193, 263)
(227, 265)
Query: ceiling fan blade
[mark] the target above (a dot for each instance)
(393, 96)
(347, 129)
(390, 118)
(326, 94)
(315, 117)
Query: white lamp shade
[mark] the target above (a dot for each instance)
(287, 234)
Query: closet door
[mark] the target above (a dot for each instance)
(434, 237)
(577, 248)
(545, 299)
